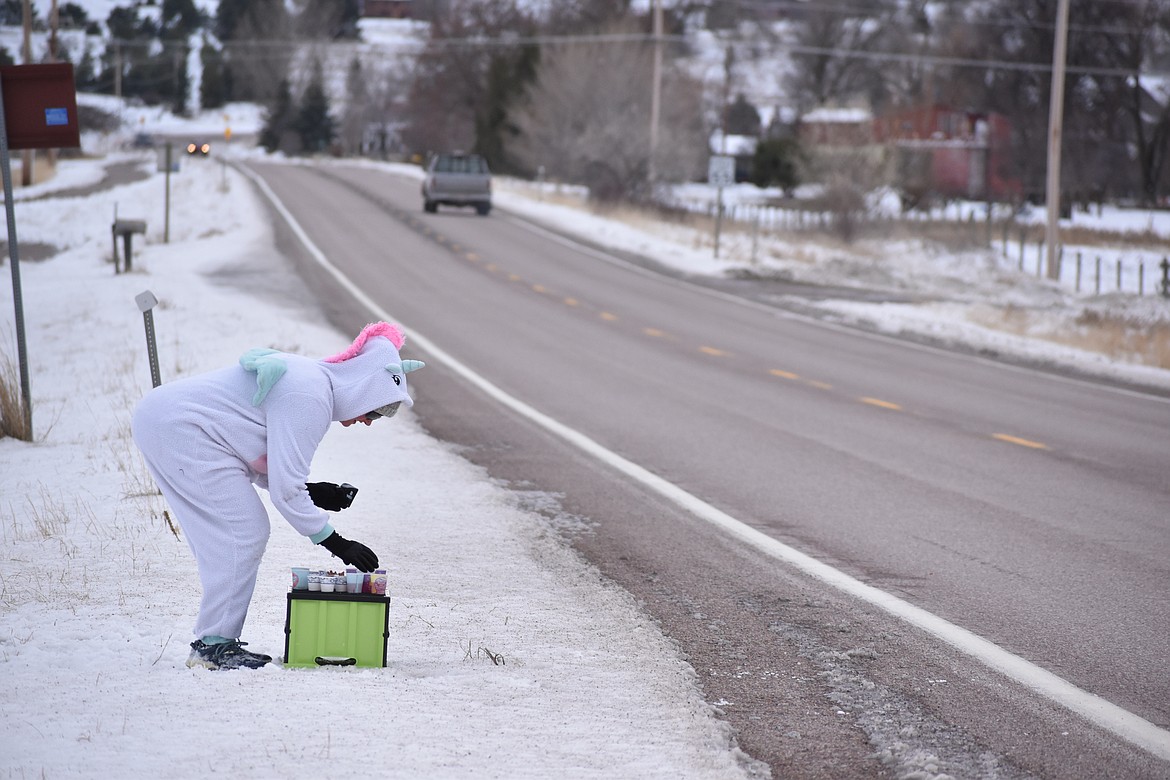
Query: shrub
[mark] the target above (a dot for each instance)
(12, 420)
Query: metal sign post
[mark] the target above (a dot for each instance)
(38, 110)
(14, 262)
(720, 173)
(146, 301)
(167, 207)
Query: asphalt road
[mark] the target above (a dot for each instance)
(1027, 508)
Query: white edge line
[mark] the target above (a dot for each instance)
(1105, 714)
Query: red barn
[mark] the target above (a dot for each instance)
(387, 9)
(950, 152)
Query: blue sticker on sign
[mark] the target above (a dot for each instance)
(56, 116)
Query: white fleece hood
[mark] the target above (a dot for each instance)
(368, 375)
(371, 373)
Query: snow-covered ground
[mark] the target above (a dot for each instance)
(508, 656)
(97, 596)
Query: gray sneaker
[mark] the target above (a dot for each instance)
(226, 655)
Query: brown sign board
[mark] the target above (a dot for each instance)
(40, 106)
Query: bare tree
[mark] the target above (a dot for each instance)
(1115, 128)
(258, 55)
(375, 105)
(1138, 45)
(587, 119)
(357, 113)
(467, 78)
(828, 40)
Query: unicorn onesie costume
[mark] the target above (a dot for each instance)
(208, 440)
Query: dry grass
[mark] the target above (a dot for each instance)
(44, 517)
(1146, 343)
(12, 419)
(1146, 240)
(1116, 336)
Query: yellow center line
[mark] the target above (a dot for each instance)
(784, 374)
(539, 288)
(513, 277)
(713, 351)
(572, 302)
(820, 385)
(492, 267)
(608, 317)
(1017, 440)
(879, 402)
(473, 257)
(655, 332)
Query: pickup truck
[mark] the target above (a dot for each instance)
(457, 179)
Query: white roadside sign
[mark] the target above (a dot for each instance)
(721, 170)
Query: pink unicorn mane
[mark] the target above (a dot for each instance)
(383, 329)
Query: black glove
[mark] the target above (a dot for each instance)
(353, 553)
(330, 497)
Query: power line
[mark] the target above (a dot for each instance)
(244, 50)
(856, 11)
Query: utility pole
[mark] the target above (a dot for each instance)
(656, 88)
(1055, 131)
(28, 157)
(54, 20)
(117, 70)
(724, 112)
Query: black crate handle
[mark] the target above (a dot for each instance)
(333, 660)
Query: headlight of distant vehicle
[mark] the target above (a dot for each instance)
(194, 148)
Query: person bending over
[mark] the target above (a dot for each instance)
(210, 440)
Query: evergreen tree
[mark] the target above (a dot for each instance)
(313, 123)
(228, 16)
(461, 97)
(278, 120)
(85, 74)
(141, 75)
(742, 117)
(71, 16)
(329, 19)
(12, 14)
(124, 25)
(213, 88)
(180, 80)
(493, 128)
(255, 35)
(775, 164)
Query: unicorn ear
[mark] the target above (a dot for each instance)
(411, 365)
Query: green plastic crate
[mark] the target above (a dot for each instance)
(342, 629)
